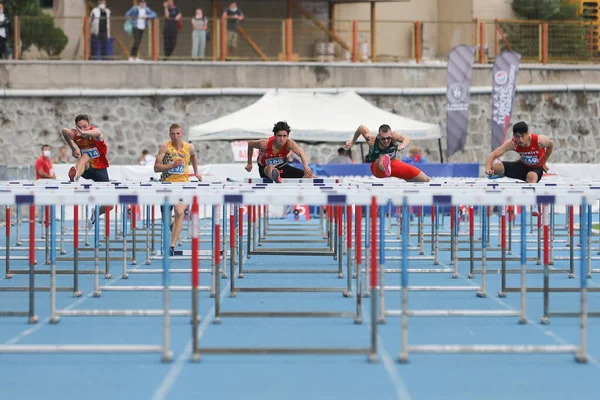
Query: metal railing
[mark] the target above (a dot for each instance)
(309, 39)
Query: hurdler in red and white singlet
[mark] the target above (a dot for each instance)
(532, 155)
(268, 157)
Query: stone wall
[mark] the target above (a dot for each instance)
(133, 124)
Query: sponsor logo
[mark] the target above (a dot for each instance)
(501, 77)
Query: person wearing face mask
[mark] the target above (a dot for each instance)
(43, 165)
(200, 24)
(100, 30)
(233, 15)
(4, 31)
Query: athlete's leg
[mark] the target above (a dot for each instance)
(498, 168)
(383, 164)
(179, 211)
(80, 166)
(420, 178)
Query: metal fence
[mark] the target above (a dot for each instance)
(309, 39)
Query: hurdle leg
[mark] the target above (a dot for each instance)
(433, 213)
(381, 266)
(47, 224)
(551, 236)
(484, 230)
(153, 252)
(539, 236)
(571, 242)
(581, 356)
(223, 248)
(107, 274)
(54, 318)
(241, 242)
(231, 244)
(455, 242)
(217, 263)
(33, 319)
(421, 233)
(213, 245)
(166, 217)
(17, 225)
(125, 274)
(97, 252)
(167, 355)
(7, 273)
(523, 316)
(503, 247)
(76, 291)
(588, 255)
(87, 241)
(339, 241)
(471, 242)
(544, 216)
(62, 230)
(249, 233)
(148, 228)
(367, 256)
(436, 238)
(348, 292)
(195, 277)
(372, 357)
(358, 244)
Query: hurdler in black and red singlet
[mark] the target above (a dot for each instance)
(532, 158)
(278, 160)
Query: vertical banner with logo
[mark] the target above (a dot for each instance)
(504, 86)
(458, 94)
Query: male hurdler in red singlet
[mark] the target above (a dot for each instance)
(272, 158)
(534, 151)
(87, 145)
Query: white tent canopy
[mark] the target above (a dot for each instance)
(313, 117)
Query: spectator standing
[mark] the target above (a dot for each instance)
(139, 15)
(200, 25)
(43, 165)
(414, 156)
(4, 31)
(233, 15)
(63, 156)
(172, 24)
(100, 29)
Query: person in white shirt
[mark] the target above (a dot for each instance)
(138, 15)
(4, 31)
(100, 29)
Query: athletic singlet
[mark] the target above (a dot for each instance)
(95, 150)
(180, 173)
(532, 155)
(267, 157)
(376, 152)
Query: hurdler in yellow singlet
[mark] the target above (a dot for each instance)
(178, 173)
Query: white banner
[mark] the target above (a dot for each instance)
(240, 151)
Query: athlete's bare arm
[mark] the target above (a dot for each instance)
(194, 162)
(544, 141)
(399, 138)
(254, 144)
(364, 132)
(495, 154)
(95, 133)
(159, 166)
(69, 137)
(293, 146)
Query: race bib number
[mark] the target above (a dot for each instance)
(91, 153)
(177, 170)
(274, 161)
(530, 160)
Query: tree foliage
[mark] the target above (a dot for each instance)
(568, 33)
(36, 28)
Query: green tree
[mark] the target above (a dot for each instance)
(36, 28)
(568, 33)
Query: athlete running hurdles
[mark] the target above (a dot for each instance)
(272, 158)
(382, 154)
(87, 145)
(534, 151)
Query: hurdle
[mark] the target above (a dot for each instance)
(78, 198)
(580, 351)
(30, 313)
(370, 351)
